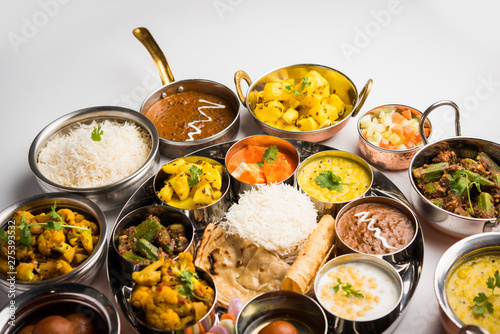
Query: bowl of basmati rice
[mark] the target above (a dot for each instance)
(103, 153)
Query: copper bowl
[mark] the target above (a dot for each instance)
(382, 157)
(172, 148)
(339, 82)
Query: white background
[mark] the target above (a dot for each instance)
(58, 56)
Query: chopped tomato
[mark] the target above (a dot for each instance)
(397, 118)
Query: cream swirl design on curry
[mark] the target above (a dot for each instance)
(192, 125)
(364, 218)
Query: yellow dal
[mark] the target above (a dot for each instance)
(466, 281)
(347, 169)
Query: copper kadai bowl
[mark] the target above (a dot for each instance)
(339, 82)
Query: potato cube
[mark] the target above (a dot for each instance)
(325, 124)
(278, 90)
(321, 112)
(290, 127)
(307, 124)
(175, 167)
(270, 112)
(166, 192)
(210, 176)
(310, 101)
(204, 196)
(290, 116)
(335, 101)
(180, 185)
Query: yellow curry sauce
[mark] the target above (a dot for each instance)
(466, 282)
(355, 179)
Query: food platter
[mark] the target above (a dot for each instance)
(121, 282)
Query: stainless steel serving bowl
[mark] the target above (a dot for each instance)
(108, 196)
(238, 186)
(89, 268)
(173, 148)
(332, 208)
(201, 216)
(338, 324)
(166, 215)
(60, 299)
(300, 310)
(205, 323)
(382, 157)
(339, 83)
(399, 258)
(458, 253)
(445, 221)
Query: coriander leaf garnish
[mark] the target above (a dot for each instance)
(96, 134)
(260, 164)
(194, 175)
(305, 83)
(271, 154)
(188, 289)
(482, 302)
(3, 236)
(327, 179)
(460, 183)
(347, 288)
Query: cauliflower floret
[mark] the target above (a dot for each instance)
(165, 294)
(162, 317)
(150, 275)
(25, 271)
(50, 240)
(139, 296)
(54, 268)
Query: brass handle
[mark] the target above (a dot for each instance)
(472, 328)
(145, 37)
(438, 104)
(362, 97)
(238, 76)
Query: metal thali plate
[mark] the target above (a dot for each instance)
(121, 283)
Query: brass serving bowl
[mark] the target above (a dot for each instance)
(172, 148)
(339, 83)
(382, 157)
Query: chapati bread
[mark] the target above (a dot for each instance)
(312, 256)
(238, 267)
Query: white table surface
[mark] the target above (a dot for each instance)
(58, 56)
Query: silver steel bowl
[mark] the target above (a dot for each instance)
(166, 215)
(112, 195)
(207, 321)
(172, 148)
(338, 324)
(87, 271)
(445, 221)
(202, 216)
(399, 258)
(339, 83)
(238, 186)
(382, 157)
(61, 299)
(300, 310)
(458, 253)
(332, 208)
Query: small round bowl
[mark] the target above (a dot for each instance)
(384, 157)
(396, 257)
(166, 215)
(60, 299)
(87, 271)
(388, 278)
(202, 216)
(238, 187)
(463, 251)
(304, 176)
(300, 310)
(340, 84)
(108, 196)
(205, 323)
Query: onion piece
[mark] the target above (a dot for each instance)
(219, 329)
(234, 306)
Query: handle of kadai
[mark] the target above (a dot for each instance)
(438, 104)
(362, 97)
(238, 76)
(145, 37)
(491, 225)
(471, 328)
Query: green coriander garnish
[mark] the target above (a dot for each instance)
(96, 134)
(305, 83)
(347, 287)
(194, 175)
(188, 289)
(270, 155)
(482, 302)
(327, 179)
(460, 183)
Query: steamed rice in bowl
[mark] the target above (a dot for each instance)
(252, 249)
(95, 154)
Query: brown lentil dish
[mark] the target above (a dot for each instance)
(374, 228)
(190, 115)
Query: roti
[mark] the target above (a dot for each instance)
(238, 267)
